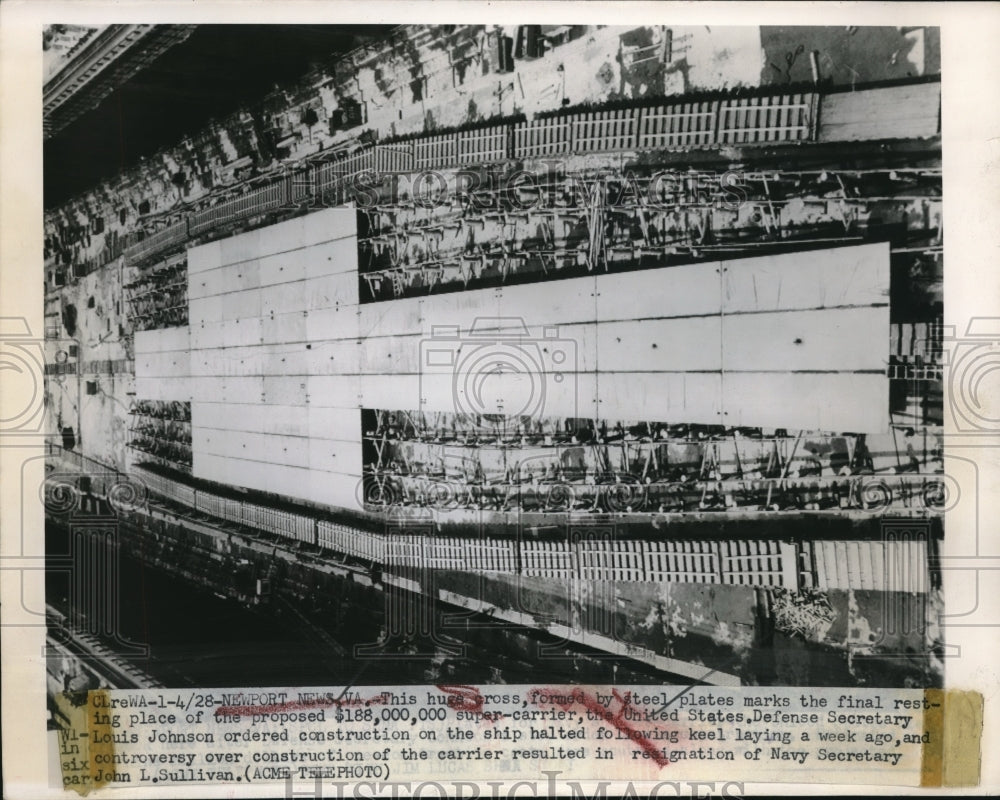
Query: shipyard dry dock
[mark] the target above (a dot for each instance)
(635, 378)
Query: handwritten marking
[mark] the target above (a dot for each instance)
(462, 697)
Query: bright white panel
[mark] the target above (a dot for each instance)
(276, 449)
(285, 391)
(281, 238)
(277, 478)
(335, 357)
(167, 389)
(284, 420)
(330, 224)
(280, 329)
(334, 457)
(332, 323)
(295, 359)
(235, 362)
(204, 257)
(573, 348)
(461, 311)
(393, 317)
(282, 268)
(844, 276)
(285, 297)
(240, 390)
(507, 393)
(333, 291)
(201, 438)
(404, 390)
(214, 468)
(203, 388)
(272, 449)
(282, 479)
(224, 279)
(668, 397)
(849, 340)
(205, 309)
(563, 303)
(663, 345)
(853, 403)
(242, 305)
(335, 490)
(680, 291)
(390, 354)
(334, 391)
(340, 424)
(336, 257)
(163, 340)
(231, 333)
(221, 362)
(163, 364)
(644, 345)
(565, 394)
(244, 247)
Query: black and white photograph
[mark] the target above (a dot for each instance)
(492, 354)
(531, 391)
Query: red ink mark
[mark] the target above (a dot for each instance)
(462, 698)
(303, 705)
(615, 720)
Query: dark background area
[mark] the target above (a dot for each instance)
(209, 76)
